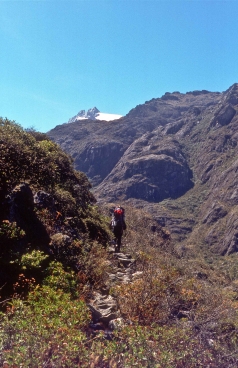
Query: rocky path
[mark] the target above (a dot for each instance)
(103, 306)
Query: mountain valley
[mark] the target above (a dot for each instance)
(175, 156)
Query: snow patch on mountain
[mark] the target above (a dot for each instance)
(94, 114)
(107, 117)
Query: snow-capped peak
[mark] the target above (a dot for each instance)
(94, 114)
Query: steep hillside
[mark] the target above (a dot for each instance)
(47, 210)
(97, 146)
(176, 156)
(68, 300)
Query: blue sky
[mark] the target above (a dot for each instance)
(59, 57)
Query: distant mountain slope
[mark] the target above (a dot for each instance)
(175, 155)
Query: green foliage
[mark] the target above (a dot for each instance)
(159, 347)
(39, 162)
(50, 330)
(10, 241)
(61, 225)
(37, 135)
(33, 260)
(47, 330)
(59, 279)
(66, 202)
(10, 231)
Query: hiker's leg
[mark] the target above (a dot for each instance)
(119, 243)
(115, 232)
(118, 234)
(119, 239)
(115, 236)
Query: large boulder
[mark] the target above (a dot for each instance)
(21, 211)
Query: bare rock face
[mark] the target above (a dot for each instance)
(224, 116)
(176, 156)
(21, 211)
(230, 241)
(222, 237)
(151, 169)
(21, 202)
(214, 214)
(99, 159)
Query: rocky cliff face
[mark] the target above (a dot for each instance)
(176, 156)
(148, 170)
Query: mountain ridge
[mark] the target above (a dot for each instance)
(174, 156)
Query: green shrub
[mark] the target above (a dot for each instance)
(10, 231)
(41, 163)
(33, 260)
(59, 279)
(61, 226)
(47, 330)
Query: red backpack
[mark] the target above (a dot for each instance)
(118, 216)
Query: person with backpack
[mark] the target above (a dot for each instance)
(118, 225)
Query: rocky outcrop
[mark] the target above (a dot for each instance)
(99, 159)
(216, 212)
(224, 116)
(21, 211)
(151, 169)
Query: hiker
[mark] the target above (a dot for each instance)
(118, 225)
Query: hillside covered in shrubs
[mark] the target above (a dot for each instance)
(55, 254)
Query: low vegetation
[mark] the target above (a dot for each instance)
(180, 311)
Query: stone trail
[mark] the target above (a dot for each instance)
(103, 306)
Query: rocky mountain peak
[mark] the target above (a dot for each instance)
(232, 94)
(94, 114)
(83, 114)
